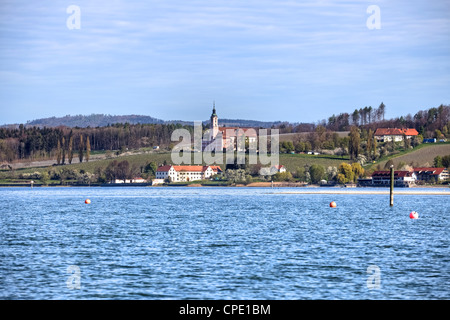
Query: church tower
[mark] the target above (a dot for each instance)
(214, 124)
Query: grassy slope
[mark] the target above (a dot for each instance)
(290, 161)
(422, 155)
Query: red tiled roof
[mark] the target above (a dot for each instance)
(216, 168)
(248, 133)
(188, 168)
(398, 174)
(428, 170)
(396, 132)
(163, 168)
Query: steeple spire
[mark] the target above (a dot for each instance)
(214, 109)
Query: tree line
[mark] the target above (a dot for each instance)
(63, 143)
(426, 122)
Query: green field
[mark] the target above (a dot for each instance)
(290, 161)
(422, 155)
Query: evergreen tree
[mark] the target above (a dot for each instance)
(88, 149)
(355, 117)
(80, 149)
(70, 149)
(58, 152)
(354, 142)
(382, 110)
(63, 150)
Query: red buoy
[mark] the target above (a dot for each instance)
(333, 204)
(414, 215)
(87, 201)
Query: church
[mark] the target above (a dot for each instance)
(220, 138)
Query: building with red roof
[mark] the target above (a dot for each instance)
(220, 138)
(431, 174)
(389, 134)
(186, 173)
(401, 178)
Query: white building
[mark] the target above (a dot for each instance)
(430, 174)
(186, 173)
(279, 168)
(389, 134)
(401, 178)
(134, 180)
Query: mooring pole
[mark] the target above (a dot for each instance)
(392, 187)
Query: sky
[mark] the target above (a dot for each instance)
(297, 61)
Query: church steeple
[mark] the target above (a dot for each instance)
(214, 124)
(214, 110)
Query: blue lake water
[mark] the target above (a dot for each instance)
(221, 243)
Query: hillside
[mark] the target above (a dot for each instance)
(93, 120)
(141, 158)
(421, 157)
(102, 120)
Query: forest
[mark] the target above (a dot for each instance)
(61, 143)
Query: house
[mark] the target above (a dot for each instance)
(220, 138)
(389, 134)
(401, 178)
(278, 168)
(133, 180)
(186, 173)
(431, 174)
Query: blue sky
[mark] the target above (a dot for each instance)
(299, 61)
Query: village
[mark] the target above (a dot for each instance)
(319, 156)
(219, 138)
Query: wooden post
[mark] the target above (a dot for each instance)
(392, 187)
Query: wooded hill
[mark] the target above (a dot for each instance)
(103, 120)
(35, 142)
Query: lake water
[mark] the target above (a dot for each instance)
(221, 243)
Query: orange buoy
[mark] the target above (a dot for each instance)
(333, 204)
(414, 215)
(87, 201)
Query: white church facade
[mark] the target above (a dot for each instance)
(220, 138)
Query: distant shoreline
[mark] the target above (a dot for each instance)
(302, 189)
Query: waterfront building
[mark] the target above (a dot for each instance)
(185, 173)
(401, 178)
(133, 180)
(427, 174)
